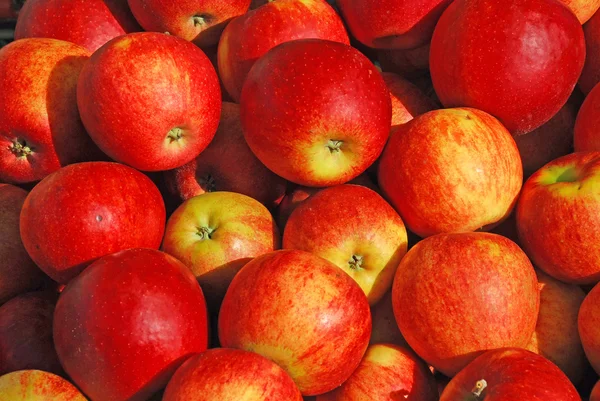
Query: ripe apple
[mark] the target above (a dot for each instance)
(458, 295)
(231, 374)
(586, 138)
(354, 228)
(88, 23)
(37, 385)
(217, 233)
(590, 75)
(387, 372)
(409, 63)
(557, 218)
(88, 210)
(589, 327)
(384, 327)
(392, 24)
(595, 395)
(451, 170)
(583, 9)
(215, 170)
(518, 60)
(198, 21)
(315, 112)
(510, 374)
(40, 128)
(124, 325)
(150, 100)
(250, 36)
(556, 336)
(408, 101)
(18, 273)
(26, 333)
(306, 315)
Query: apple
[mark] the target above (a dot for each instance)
(586, 138)
(384, 327)
(217, 233)
(557, 218)
(510, 374)
(588, 327)
(458, 295)
(150, 100)
(408, 101)
(590, 75)
(595, 395)
(250, 36)
(18, 273)
(354, 228)
(451, 170)
(392, 24)
(87, 210)
(306, 315)
(315, 112)
(387, 372)
(214, 169)
(231, 374)
(124, 325)
(409, 63)
(583, 9)
(37, 385)
(198, 21)
(556, 336)
(40, 128)
(518, 60)
(88, 23)
(26, 333)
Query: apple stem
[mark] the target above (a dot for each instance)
(205, 233)
(20, 148)
(356, 262)
(208, 183)
(201, 20)
(175, 134)
(480, 386)
(334, 145)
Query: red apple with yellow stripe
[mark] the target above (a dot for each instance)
(37, 385)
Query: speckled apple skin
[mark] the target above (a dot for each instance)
(37, 385)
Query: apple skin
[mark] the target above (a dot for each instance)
(214, 169)
(595, 395)
(408, 63)
(521, 85)
(384, 327)
(37, 385)
(26, 333)
(392, 24)
(586, 138)
(124, 325)
(247, 38)
(18, 273)
(590, 75)
(451, 170)
(40, 128)
(556, 336)
(408, 101)
(88, 210)
(450, 310)
(231, 374)
(354, 228)
(511, 374)
(216, 234)
(315, 112)
(588, 324)
(307, 315)
(152, 122)
(88, 23)
(199, 22)
(583, 9)
(387, 372)
(558, 206)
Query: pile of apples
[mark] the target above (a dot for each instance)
(366, 200)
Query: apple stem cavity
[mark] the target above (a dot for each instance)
(480, 386)
(356, 262)
(20, 148)
(201, 20)
(205, 233)
(334, 145)
(175, 134)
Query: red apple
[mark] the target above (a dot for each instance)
(583, 9)
(392, 24)
(217, 233)
(557, 218)
(306, 315)
(247, 38)
(408, 101)
(315, 112)
(590, 75)
(354, 228)
(409, 63)
(88, 23)
(88, 210)
(123, 326)
(510, 374)
(37, 385)
(595, 395)
(589, 327)
(231, 374)
(150, 100)
(40, 128)
(556, 337)
(451, 170)
(384, 327)
(18, 273)
(26, 333)
(198, 21)
(387, 372)
(518, 60)
(215, 170)
(586, 136)
(458, 295)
